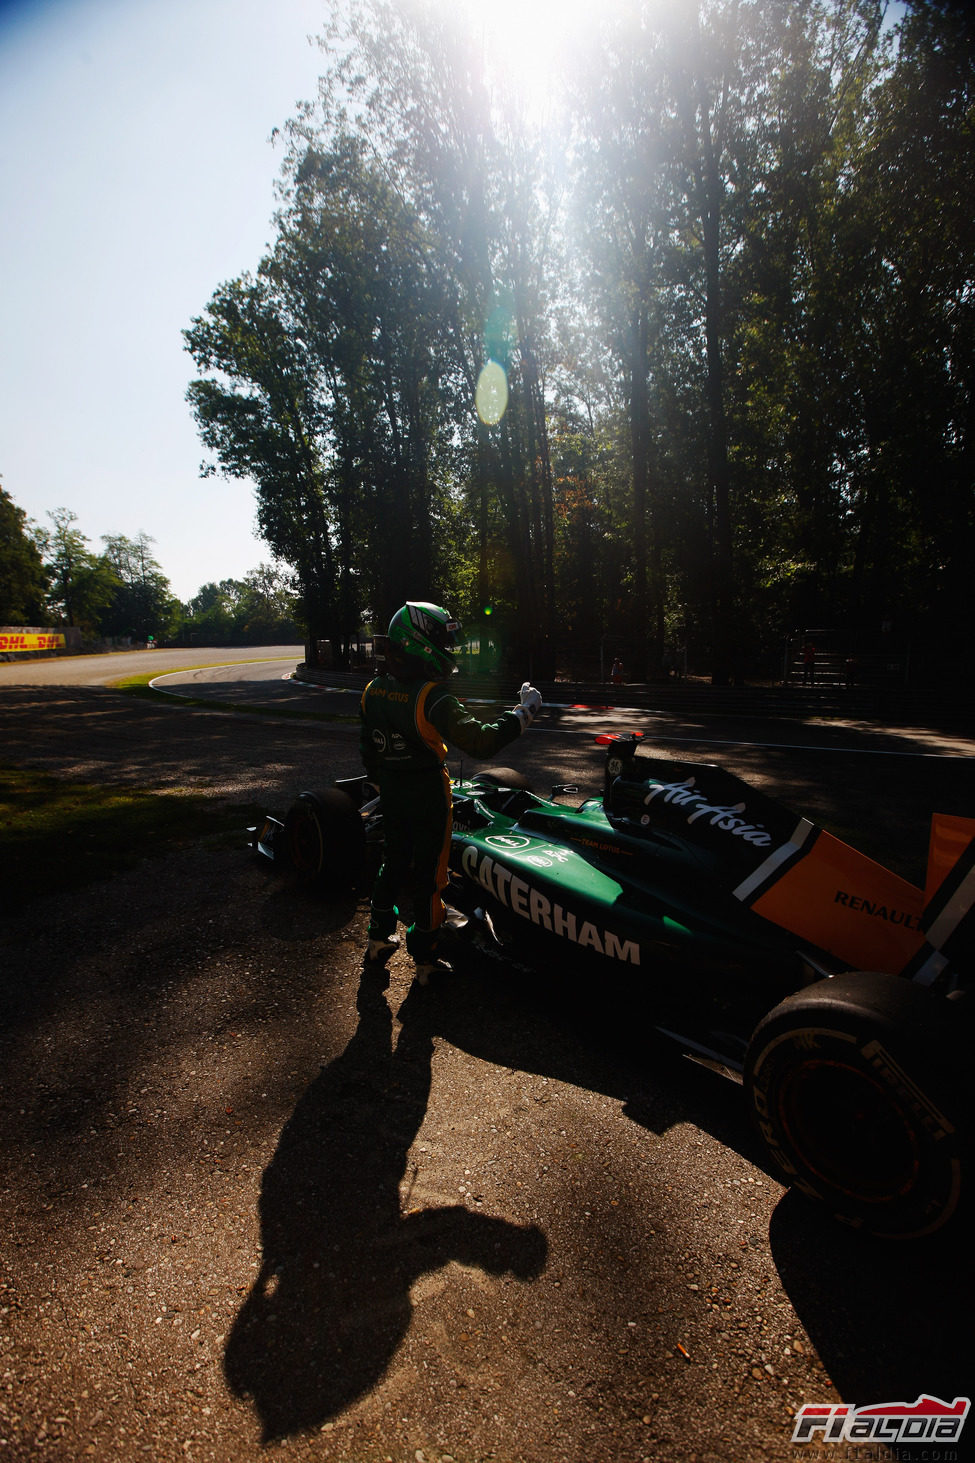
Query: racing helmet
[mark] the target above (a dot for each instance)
(427, 636)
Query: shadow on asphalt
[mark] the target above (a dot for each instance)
(96, 732)
(331, 1304)
(586, 1036)
(887, 1318)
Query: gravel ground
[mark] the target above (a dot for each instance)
(253, 1201)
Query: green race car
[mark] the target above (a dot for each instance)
(836, 990)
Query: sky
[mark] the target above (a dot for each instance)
(136, 175)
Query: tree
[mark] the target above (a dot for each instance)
(208, 616)
(82, 584)
(473, 179)
(23, 579)
(913, 354)
(258, 410)
(352, 265)
(624, 220)
(143, 603)
(342, 378)
(258, 609)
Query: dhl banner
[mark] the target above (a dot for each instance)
(31, 640)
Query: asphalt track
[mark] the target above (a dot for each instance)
(103, 670)
(271, 683)
(687, 1304)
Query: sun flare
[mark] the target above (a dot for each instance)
(526, 42)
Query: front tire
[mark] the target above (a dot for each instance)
(324, 837)
(854, 1084)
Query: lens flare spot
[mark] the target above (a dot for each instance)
(491, 396)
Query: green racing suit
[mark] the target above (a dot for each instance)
(405, 728)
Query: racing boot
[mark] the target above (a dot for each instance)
(425, 969)
(426, 947)
(379, 951)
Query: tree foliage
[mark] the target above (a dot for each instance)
(256, 610)
(51, 576)
(729, 286)
(142, 604)
(82, 584)
(23, 578)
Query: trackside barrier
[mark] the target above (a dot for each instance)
(20, 640)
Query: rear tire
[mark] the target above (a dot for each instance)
(324, 837)
(855, 1085)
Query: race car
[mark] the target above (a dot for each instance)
(835, 990)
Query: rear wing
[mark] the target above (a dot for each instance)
(949, 910)
(796, 875)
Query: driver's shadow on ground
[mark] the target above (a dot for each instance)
(331, 1303)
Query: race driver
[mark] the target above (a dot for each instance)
(407, 718)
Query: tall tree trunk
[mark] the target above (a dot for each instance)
(640, 451)
(719, 477)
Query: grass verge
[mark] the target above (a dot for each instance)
(139, 686)
(59, 835)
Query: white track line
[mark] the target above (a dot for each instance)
(772, 746)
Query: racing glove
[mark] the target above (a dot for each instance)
(530, 705)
